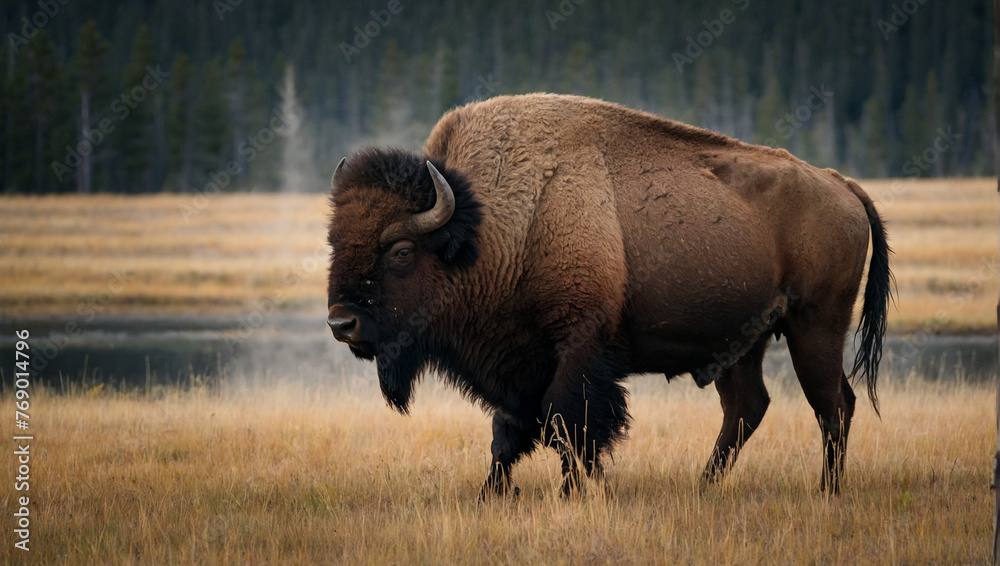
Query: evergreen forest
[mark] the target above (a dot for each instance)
(267, 95)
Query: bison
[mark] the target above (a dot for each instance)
(544, 247)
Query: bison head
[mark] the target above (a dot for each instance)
(401, 228)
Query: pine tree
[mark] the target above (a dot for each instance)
(93, 88)
(877, 143)
(17, 129)
(449, 85)
(743, 103)
(6, 119)
(392, 110)
(822, 137)
(264, 167)
(135, 132)
(934, 117)
(919, 117)
(913, 123)
(211, 127)
(180, 125)
(62, 131)
(705, 94)
(873, 159)
(578, 75)
(42, 81)
(770, 107)
(423, 94)
(238, 85)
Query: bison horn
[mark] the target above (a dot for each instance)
(340, 166)
(444, 207)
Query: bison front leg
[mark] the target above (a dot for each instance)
(744, 401)
(585, 413)
(512, 439)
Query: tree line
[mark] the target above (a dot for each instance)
(267, 95)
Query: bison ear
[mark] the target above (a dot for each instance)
(455, 241)
(455, 247)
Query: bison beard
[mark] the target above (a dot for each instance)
(397, 371)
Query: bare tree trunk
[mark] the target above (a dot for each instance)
(84, 177)
(239, 118)
(39, 153)
(187, 159)
(8, 147)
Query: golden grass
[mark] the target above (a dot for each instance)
(309, 474)
(162, 254)
(945, 238)
(178, 254)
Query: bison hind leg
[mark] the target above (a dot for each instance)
(585, 412)
(817, 355)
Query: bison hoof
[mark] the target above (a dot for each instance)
(491, 492)
(712, 475)
(570, 488)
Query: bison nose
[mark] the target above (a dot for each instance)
(346, 326)
(344, 329)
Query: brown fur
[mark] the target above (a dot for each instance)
(614, 241)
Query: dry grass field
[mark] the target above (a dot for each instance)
(162, 254)
(297, 474)
(944, 234)
(180, 254)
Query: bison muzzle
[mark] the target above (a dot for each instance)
(544, 247)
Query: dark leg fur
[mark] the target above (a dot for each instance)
(817, 355)
(835, 439)
(744, 401)
(585, 412)
(512, 439)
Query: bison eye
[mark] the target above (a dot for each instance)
(401, 258)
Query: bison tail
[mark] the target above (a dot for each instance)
(878, 292)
